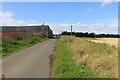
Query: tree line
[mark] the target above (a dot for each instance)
(86, 34)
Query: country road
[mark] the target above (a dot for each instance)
(32, 62)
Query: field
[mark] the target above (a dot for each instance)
(14, 42)
(85, 58)
(110, 41)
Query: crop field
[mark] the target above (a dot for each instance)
(85, 58)
(110, 41)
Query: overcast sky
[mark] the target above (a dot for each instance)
(98, 17)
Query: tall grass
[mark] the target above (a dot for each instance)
(102, 58)
(64, 66)
(18, 42)
(81, 58)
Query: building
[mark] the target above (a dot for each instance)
(30, 30)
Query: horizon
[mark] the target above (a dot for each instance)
(84, 16)
(61, 31)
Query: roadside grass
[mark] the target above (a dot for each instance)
(0, 46)
(81, 58)
(12, 45)
(64, 66)
(0, 51)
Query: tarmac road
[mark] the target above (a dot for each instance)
(32, 62)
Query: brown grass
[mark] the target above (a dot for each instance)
(102, 58)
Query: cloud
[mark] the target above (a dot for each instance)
(112, 27)
(6, 14)
(105, 2)
(98, 26)
(8, 20)
(79, 27)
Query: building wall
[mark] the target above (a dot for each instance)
(44, 29)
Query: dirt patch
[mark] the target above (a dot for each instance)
(110, 41)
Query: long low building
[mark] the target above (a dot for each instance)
(31, 30)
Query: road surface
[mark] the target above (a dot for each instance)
(32, 62)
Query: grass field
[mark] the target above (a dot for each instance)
(83, 58)
(12, 45)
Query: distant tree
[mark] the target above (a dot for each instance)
(92, 35)
(86, 34)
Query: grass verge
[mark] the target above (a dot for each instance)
(13, 45)
(64, 66)
(81, 58)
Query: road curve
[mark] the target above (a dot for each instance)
(32, 62)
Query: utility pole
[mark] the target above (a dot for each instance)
(71, 29)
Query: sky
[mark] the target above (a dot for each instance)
(98, 17)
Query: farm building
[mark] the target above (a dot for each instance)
(31, 30)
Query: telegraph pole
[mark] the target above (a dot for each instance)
(71, 29)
